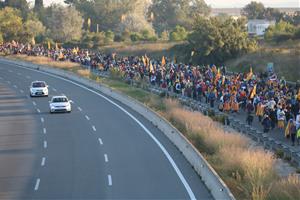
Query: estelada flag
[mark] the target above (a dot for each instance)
(151, 67)
(163, 61)
(253, 93)
(250, 74)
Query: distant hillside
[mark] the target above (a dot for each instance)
(286, 59)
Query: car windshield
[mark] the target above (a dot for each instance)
(57, 100)
(38, 84)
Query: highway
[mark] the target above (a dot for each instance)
(101, 150)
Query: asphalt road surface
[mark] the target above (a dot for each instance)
(97, 151)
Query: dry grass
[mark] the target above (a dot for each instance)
(286, 59)
(41, 60)
(286, 189)
(248, 173)
(84, 72)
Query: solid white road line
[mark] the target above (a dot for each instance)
(43, 161)
(42, 120)
(87, 117)
(94, 128)
(38, 110)
(34, 103)
(109, 180)
(22, 91)
(37, 184)
(163, 149)
(79, 109)
(105, 158)
(45, 144)
(100, 141)
(44, 130)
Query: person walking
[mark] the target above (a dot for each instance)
(266, 123)
(292, 131)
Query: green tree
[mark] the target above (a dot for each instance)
(21, 5)
(281, 31)
(38, 5)
(170, 13)
(215, 40)
(178, 34)
(32, 29)
(254, 10)
(64, 23)
(10, 23)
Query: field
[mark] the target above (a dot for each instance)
(286, 59)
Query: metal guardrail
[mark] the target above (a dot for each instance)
(253, 133)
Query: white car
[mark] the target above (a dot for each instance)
(38, 88)
(60, 104)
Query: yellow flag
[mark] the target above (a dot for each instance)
(33, 41)
(151, 67)
(123, 17)
(89, 22)
(144, 61)
(163, 61)
(49, 45)
(250, 74)
(253, 93)
(298, 96)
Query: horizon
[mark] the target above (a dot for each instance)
(226, 4)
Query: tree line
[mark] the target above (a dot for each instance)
(94, 23)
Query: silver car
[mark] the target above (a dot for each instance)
(39, 88)
(60, 104)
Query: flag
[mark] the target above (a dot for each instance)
(56, 45)
(163, 61)
(192, 53)
(298, 96)
(49, 45)
(151, 67)
(89, 22)
(223, 80)
(151, 16)
(250, 74)
(123, 17)
(33, 41)
(144, 61)
(253, 93)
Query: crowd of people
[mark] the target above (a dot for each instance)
(275, 103)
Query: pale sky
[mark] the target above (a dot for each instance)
(230, 3)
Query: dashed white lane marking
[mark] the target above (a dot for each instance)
(34, 103)
(109, 180)
(15, 86)
(38, 110)
(94, 128)
(43, 161)
(105, 158)
(42, 120)
(28, 77)
(8, 82)
(63, 94)
(100, 141)
(79, 109)
(19, 74)
(54, 89)
(22, 91)
(1, 78)
(45, 144)
(163, 149)
(44, 130)
(87, 117)
(37, 184)
(10, 71)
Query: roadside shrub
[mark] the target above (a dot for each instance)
(178, 34)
